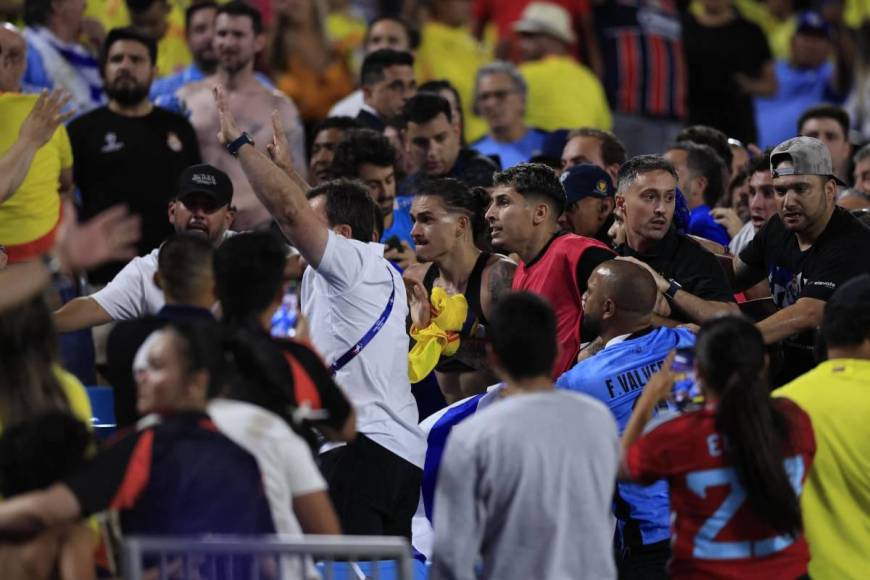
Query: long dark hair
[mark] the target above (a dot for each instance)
(28, 384)
(730, 355)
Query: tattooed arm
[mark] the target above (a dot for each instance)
(495, 285)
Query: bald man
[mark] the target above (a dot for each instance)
(618, 308)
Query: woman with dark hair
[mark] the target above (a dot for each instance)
(31, 379)
(448, 226)
(45, 419)
(735, 467)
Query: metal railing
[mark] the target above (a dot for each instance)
(262, 557)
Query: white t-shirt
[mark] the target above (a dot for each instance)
(342, 299)
(350, 106)
(742, 238)
(285, 462)
(132, 293)
(284, 459)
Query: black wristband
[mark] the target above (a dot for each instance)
(241, 140)
(672, 288)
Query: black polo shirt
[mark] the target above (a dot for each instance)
(840, 253)
(681, 258)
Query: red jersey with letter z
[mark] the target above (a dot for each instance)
(715, 533)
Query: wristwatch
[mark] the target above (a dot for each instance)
(672, 288)
(241, 140)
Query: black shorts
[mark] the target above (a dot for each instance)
(374, 491)
(647, 562)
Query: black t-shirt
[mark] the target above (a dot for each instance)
(840, 253)
(713, 56)
(131, 160)
(681, 258)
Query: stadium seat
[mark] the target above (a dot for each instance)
(102, 411)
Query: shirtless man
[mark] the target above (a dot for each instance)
(238, 39)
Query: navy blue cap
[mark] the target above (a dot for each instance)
(585, 180)
(812, 23)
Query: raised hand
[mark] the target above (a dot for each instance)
(418, 303)
(229, 131)
(728, 219)
(110, 235)
(45, 117)
(279, 147)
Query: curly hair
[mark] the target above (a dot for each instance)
(362, 146)
(534, 180)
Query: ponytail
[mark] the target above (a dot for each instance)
(754, 431)
(731, 355)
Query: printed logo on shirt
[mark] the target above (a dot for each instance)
(111, 143)
(203, 179)
(173, 142)
(785, 286)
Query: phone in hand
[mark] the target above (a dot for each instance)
(285, 318)
(394, 243)
(686, 390)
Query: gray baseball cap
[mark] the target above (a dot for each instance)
(808, 156)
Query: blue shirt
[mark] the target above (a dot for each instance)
(402, 224)
(798, 90)
(701, 223)
(510, 154)
(616, 376)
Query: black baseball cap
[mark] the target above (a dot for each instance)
(206, 180)
(585, 180)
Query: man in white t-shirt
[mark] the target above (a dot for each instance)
(356, 305)
(202, 206)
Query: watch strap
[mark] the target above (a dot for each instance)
(672, 288)
(238, 143)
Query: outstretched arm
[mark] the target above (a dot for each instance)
(40, 124)
(282, 195)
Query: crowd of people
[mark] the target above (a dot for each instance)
(552, 289)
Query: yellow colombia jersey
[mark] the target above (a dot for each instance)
(836, 498)
(563, 94)
(172, 52)
(33, 209)
(453, 54)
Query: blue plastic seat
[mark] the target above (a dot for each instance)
(102, 411)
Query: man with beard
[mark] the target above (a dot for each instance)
(807, 251)
(238, 39)
(201, 207)
(618, 308)
(130, 151)
(199, 22)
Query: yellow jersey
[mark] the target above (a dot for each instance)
(34, 208)
(563, 94)
(453, 54)
(836, 497)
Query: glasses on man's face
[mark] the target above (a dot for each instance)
(496, 95)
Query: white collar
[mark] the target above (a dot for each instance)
(617, 339)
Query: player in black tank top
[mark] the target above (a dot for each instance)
(448, 218)
(475, 310)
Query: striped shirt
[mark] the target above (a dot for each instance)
(645, 71)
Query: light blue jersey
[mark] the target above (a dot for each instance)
(616, 377)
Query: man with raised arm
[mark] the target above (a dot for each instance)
(357, 307)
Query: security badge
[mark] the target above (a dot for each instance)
(601, 187)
